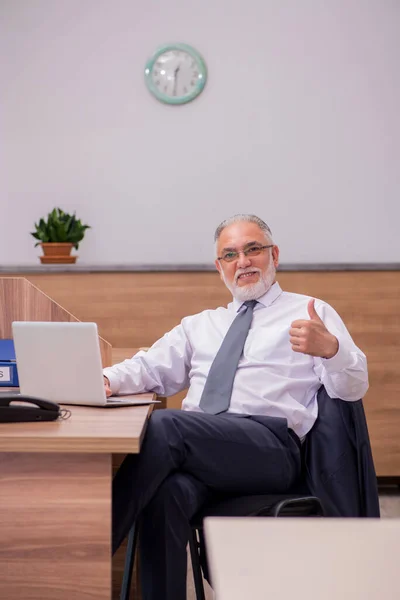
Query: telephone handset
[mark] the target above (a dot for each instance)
(16, 408)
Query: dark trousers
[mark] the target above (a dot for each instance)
(185, 458)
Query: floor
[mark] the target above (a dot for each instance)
(389, 500)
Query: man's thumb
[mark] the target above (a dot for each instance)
(312, 312)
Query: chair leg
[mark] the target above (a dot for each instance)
(196, 568)
(128, 567)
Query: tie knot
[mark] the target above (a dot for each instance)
(250, 303)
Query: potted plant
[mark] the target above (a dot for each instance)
(58, 235)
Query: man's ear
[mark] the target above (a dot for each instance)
(219, 268)
(275, 256)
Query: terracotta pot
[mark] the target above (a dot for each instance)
(55, 252)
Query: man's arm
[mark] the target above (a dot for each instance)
(162, 369)
(338, 363)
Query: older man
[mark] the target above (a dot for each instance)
(252, 371)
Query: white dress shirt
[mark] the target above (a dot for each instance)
(271, 378)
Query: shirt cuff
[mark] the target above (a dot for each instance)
(342, 360)
(113, 379)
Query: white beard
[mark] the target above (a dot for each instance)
(252, 291)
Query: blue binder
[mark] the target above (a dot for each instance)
(8, 364)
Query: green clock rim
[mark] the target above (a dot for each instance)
(201, 82)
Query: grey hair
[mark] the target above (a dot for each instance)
(249, 219)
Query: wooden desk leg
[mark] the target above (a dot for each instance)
(55, 524)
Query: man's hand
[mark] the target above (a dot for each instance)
(107, 386)
(312, 337)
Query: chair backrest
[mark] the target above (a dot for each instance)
(306, 559)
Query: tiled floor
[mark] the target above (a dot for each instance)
(389, 499)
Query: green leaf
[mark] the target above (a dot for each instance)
(60, 232)
(53, 234)
(68, 224)
(72, 225)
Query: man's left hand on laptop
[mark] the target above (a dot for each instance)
(107, 387)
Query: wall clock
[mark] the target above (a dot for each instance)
(176, 74)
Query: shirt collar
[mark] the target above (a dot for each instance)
(266, 299)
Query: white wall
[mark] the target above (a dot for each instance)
(299, 123)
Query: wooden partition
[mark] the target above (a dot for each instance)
(20, 300)
(135, 309)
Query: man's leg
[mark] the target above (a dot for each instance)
(164, 535)
(225, 452)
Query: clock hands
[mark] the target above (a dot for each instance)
(176, 79)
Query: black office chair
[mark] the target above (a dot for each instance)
(277, 505)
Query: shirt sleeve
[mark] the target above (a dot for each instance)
(345, 375)
(163, 369)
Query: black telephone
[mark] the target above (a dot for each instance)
(15, 408)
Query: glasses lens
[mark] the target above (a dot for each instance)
(253, 251)
(230, 256)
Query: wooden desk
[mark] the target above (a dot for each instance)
(55, 498)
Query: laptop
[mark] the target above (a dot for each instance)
(303, 559)
(62, 362)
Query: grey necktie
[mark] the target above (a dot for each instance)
(217, 391)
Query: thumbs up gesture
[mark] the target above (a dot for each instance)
(312, 337)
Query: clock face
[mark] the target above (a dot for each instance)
(176, 74)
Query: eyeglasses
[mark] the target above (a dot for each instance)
(230, 256)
